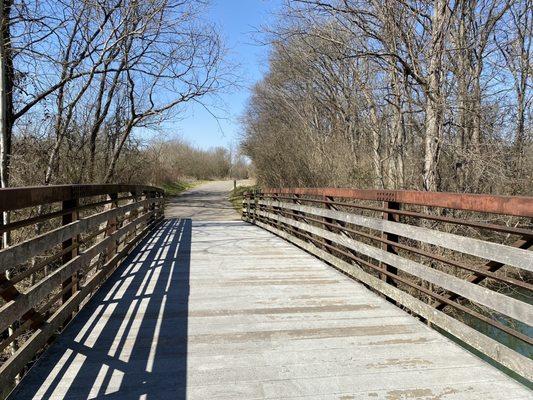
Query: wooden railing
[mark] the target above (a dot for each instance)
(60, 245)
(459, 262)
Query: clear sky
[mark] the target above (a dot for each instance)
(238, 22)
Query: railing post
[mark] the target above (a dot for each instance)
(277, 211)
(69, 217)
(255, 193)
(151, 208)
(111, 228)
(144, 210)
(327, 206)
(392, 205)
(133, 215)
(247, 197)
(160, 206)
(295, 200)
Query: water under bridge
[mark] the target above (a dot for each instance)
(201, 304)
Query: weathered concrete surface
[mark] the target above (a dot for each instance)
(222, 309)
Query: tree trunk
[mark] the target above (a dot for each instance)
(432, 145)
(6, 123)
(520, 127)
(6, 92)
(521, 88)
(398, 132)
(474, 148)
(116, 152)
(6, 104)
(434, 103)
(463, 100)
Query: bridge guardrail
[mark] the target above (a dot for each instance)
(65, 241)
(460, 262)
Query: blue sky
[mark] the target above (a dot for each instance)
(238, 22)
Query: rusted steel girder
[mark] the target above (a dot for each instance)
(520, 206)
(23, 197)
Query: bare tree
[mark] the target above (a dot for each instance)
(171, 63)
(516, 50)
(85, 78)
(430, 92)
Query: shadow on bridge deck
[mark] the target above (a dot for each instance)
(132, 335)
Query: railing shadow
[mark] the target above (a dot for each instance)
(130, 341)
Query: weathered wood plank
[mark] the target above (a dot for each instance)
(15, 309)
(495, 350)
(14, 255)
(496, 301)
(508, 255)
(22, 197)
(41, 336)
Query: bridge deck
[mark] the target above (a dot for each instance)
(221, 309)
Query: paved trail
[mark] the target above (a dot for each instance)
(207, 202)
(210, 307)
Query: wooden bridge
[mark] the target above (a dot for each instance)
(314, 294)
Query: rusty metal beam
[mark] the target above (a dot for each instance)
(432, 217)
(520, 206)
(23, 197)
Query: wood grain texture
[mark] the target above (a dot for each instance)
(495, 350)
(16, 308)
(507, 305)
(14, 255)
(507, 255)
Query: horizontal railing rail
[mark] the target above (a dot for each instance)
(460, 262)
(60, 243)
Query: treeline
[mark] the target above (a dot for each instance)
(176, 160)
(79, 78)
(156, 161)
(432, 95)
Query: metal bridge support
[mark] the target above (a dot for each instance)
(392, 205)
(70, 285)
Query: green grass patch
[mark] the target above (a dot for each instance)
(237, 194)
(175, 188)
